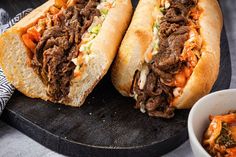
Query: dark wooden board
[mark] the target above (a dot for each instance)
(107, 124)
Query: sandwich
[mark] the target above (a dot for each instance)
(61, 50)
(170, 55)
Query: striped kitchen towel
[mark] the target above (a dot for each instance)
(6, 89)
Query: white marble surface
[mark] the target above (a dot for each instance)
(15, 144)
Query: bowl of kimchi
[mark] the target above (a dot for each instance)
(212, 125)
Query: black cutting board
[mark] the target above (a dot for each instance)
(107, 124)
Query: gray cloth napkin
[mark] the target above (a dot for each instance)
(6, 89)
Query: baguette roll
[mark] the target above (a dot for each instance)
(42, 72)
(174, 56)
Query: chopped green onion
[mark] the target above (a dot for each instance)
(162, 9)
(85, 47)
(155, 46)
(156, 25)
(104, 11)
(95, 29)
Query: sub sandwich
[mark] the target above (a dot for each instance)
(170, 55)
(63, 48)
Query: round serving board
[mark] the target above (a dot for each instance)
(107, 124)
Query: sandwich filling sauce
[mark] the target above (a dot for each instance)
(170, 58)
(58, 43)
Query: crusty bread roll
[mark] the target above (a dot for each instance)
(131, 52)
(131, 55)
(207, 69)
(13, 54)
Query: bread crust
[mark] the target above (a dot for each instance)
(113, 28)
(13, 54)
(207, 69)
(131, 53)
(131, 56)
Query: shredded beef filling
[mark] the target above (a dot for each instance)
(173, 33)
(60, 44)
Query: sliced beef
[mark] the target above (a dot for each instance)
(60, 44)
(160, 73)
(89, 11)
(135, 84)
(170, 50)
(63, 42)
(141, 96)
(174, 69)
(180, 9)
(187, 3)
(168, 113)
(174, 15)
(58, 71)
(167, 28)
(174, 32)
(164, 61)
(176, 19)
(176, 41)
(151, 85)
(51, 32)
(89, 8)
(181, 31)
(153, 102)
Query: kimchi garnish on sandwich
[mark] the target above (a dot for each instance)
(170, 58)
(63, 48)
(60, 42)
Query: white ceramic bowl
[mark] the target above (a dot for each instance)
(213, 104)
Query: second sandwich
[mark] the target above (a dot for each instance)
(170, 55)
(63, 48)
